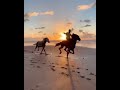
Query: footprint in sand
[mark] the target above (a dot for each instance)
(72, 66)
(52, 69)
(62, 73)
(82, 76)
(88, 78)
(67, 74)
(66, 64)
(73, 70)
(65, 68)
(31, 64)
(91, 74)
(62, 67)
(38, 66)
(53, 66)
(31, 89)
(37, 86)
(78, 68)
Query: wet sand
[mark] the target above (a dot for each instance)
(56, 72)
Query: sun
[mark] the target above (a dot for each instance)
(63, 36)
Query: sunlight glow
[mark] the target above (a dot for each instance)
(63, 36)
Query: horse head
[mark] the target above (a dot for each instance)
(46, 40)
(75, 37)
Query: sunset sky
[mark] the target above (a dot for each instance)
(50, 18)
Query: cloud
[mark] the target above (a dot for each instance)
(47, 13)
(33, 14)
(40, 32)
(85, 7)
(86, 21)
(87, 25)
(40, 28)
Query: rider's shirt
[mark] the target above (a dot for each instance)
(68, 35)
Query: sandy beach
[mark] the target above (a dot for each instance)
(56, 72)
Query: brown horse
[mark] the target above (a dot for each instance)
(41, 44)
(69, 45)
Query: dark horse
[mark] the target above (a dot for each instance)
(41, 44)
(69, 45)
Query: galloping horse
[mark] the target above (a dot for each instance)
(41, 44)
(70, 45)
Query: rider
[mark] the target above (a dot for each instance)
(68, 36)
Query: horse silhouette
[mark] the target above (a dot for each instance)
(41, 44)
(69, 45)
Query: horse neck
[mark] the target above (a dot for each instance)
(74, 41)
(44, 41)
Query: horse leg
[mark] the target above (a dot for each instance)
(38, 48)
(35, 48)
(68, 53)
(60, 49)
(73, 51)
(42, 50)
(45, 51)
(65, 48)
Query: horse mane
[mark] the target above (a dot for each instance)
(45, 38)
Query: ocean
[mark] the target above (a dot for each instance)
(83, 43)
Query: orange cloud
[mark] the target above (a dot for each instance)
(47, 13)
(31, 14)
(85, 7)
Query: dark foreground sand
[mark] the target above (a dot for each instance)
(56, 72)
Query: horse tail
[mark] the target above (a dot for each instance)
(34, 44)
(58, 44)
